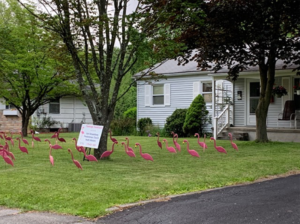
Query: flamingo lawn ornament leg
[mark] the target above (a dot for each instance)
(169, 148)
(158, 142)
(232, 143)
(192, 152)
(75, 161)
(218, 148)
(7, 138)
(176, 143)
(108, 153)
(128, 148)
(146, 156)
(51, 157)
(113, 139)
(201, 144)
(22, 148)
(23, 139)
(129, 153)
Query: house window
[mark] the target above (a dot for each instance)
(54, 107)
(158, 95)
(10, 106)
(207, 91)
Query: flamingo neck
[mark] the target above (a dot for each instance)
(188, 145)
(71, 155)
(215, 143)
(140, 148)
(127, 142)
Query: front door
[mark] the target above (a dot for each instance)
(253, 99)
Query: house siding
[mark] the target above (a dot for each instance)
(72, 110)
(181, 96)
(240, 105)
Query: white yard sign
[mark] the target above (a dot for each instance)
(90, 135)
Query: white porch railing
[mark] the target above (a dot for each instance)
(222, 121)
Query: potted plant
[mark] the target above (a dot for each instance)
(297, 88)
(279, 91)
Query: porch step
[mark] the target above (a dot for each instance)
(241, 136)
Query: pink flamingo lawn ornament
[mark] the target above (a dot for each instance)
(75, 161)
(58, 138)
(201, 144)
(3, 150)
(53, 146)
(146, 156)
(129, 153)
(169, 148)
(108, 153)
(23, 139)
(78, 148)
(218, 148)
(34, 138)
(192, 152)
(90, 157)
(158, 142)
(175, 142)
(22, 148)
(232, 143)
(113, 139)
(4, 154)
(128, 148)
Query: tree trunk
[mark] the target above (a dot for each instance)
(25, 122)
(261, 121)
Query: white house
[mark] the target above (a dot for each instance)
(181, 84)
(70, 112)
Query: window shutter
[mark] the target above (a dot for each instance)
(147, 95)
(196, 89)
(167, 97)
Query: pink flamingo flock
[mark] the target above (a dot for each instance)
(9, 156)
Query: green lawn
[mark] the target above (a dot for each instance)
(33, 184)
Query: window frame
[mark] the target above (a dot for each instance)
(206, 92)
(155, 95)
(54, 102)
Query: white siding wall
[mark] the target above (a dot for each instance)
(181, 96)
(240, 105)
(72, 110)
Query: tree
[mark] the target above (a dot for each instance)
(241, 34)
(196, 116)
(92, 31)
(31, 73)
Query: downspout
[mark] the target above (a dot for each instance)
(233, 103)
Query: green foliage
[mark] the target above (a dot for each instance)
(143, 123)
(130, 113)
(123, 126)
(196, 117)
(175, 122)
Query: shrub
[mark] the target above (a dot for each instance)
(143, 123)
(123, 126)
(196, 117)
(130, 113)
(175, 122)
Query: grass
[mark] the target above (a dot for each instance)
(33, 184)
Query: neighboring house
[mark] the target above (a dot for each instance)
(157, 99)
(70, 112)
